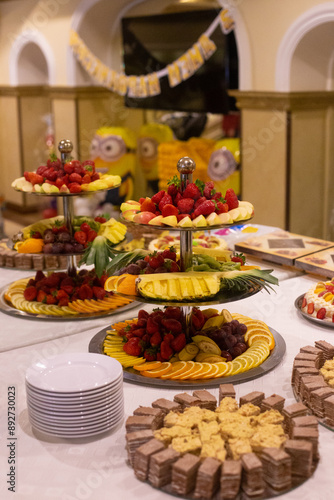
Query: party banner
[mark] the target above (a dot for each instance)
(149, 85)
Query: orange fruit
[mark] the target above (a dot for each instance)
(206, 368)
(254, 323)
(149, 365)
(188, 374)
(165, 367)
(256, 336)
(189, 367)
(223, 368)
(213, 372)
(178, 367)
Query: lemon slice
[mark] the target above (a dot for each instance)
(267, 338)
(223, 368)
(213, 372)
(237, 367)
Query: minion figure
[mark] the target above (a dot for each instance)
(150, 136)
(223, 165)
(113, 150)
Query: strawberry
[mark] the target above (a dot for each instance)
(63, 302)
(142, 314)
(91, 235)
(185, 205)
(156, 339)
(41, 296)
(35, 178)
(231, 199)
(304, 302)
(95, 176)
(69, 167)
(239, 257)
(99, 292)
(158, 197)
(181, 216)
(169, 253)
(166, 352)
(197, 318)
(167, 199)
(85, 292)
(173, 312)
(133, 347)
(41, 170)
(50, 299)
(172, 266)
(169, 209)
(199, 202)
(321, 313)
(172, 190)
(139, 332)
(310, 308)
(150, 355)
(172, 325)
(148, 206)
(142, 322)
(86, 179)
(209, 190)
(205, 208)
(191, 191)
(74, 187)
(75, 178)
(152, 326)
(179, 342)
(156, 261)
(61, 294)
(50, 174)
(30, 293)
(221, 207)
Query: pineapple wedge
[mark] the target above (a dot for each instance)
(178, 286)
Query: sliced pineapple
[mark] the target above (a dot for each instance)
(178, 286)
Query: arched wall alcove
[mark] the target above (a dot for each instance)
(31, 61)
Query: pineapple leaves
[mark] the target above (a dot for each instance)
(240, 281)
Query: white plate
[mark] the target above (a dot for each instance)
(77, 435)
(76, 428)
(100, 394)
(56, 402)
(69, 417)
(69, 395)
(74, 407)
(73, 424)
(74, 372)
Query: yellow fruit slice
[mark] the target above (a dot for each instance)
(256, 324)
(188, 374)
(178, 368)
(157, 372)
(243, 362)
(223, 368)
(189, 367)
(149, 365)
(205, 368)
(250, 360)
(269, 339)
(213, 372)
(237, 367)
(230, 369)
(252, 330)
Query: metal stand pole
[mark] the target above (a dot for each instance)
(65, 147)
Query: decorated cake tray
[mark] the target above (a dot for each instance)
(308, 317)
(313, 383)
(282, 247)
(194, 447)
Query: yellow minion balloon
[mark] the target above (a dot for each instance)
(223, 165)
(113, 150)
(150, 136)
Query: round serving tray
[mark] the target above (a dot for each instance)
(130, 375)
(222, 297)
(62, 195)
(319, 322)
(7, 308)
(178, 228)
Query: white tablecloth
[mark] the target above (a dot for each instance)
(95, 468)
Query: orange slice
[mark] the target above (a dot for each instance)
(230, 369)
(149, 365)
(252, 330)
(178, 367)
(213, 372)
(189, 368)
(193, 371)
(255, 323)
(269, 339)
(223, 368)
(165, 367)
(206, 368)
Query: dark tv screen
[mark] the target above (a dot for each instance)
(150, 43)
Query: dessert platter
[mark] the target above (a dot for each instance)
(313, 381)
(317, 304)
(68, 294)
(169, 347)
(196, 447)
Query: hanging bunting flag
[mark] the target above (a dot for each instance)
(149, 85)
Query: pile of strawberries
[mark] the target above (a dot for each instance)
(159, 335)
(59, 288)
(198, 198)
(68, 178)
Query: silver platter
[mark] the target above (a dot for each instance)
(65, 195)
(319, 322)
(7, 308)
(130, 375)
(177, 228)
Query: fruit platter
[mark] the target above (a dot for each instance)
(157, 348)
(66, 294)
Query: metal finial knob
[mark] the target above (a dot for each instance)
(186, 165)
(65, 146)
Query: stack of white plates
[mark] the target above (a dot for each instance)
(75, 395)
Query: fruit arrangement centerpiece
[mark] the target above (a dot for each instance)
(69, 294)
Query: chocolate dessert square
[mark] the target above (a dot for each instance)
(166, 405)
(276, 468)
(184, 473)
(139, 422)
(136, 439)
(207, 400)
(142, 457)
(326, 347)
(329, 410)
(185, 400)
(299, 372)
(317, 400)
(207, 481)
(309, 434)
(230, 479)
(38, 262)
(274, 402)
(255, 398)
(226, 391)
(157, 413)
(292, 411)
(252, 482)
(160, 467)
(301, 453)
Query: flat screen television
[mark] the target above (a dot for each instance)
(150, 43)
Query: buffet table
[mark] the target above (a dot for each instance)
(96, 467)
